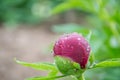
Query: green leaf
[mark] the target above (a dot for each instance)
(41, 66)
(114, 59)
(37, 66)
(46, 78)
(108, 63)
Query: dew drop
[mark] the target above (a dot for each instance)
(88, 49)
(79, 39)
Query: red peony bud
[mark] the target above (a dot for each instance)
(74, 47)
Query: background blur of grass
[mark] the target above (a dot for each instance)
(101, 17)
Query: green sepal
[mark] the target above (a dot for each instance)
(67, 66)
(91, 59)
(88, 36)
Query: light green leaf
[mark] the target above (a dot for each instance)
(37, 66)
(41, 66)
(108, 63)
(46, 78)
(114, 59)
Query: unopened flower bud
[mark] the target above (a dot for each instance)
(74, 47)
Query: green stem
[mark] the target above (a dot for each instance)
(81, 77)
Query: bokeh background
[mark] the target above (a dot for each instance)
(28, 29)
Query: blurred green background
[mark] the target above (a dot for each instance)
(29, 27)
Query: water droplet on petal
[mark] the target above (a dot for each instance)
(88, 49)
(79, 39)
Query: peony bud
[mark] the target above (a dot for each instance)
(74, 47)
